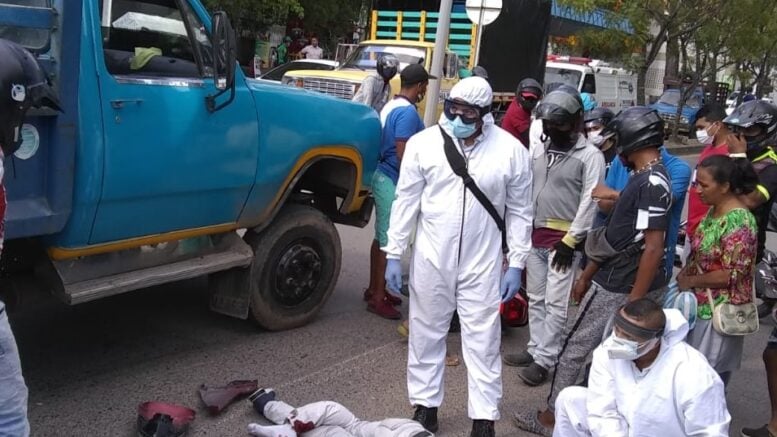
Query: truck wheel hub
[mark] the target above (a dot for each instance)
(297, 274)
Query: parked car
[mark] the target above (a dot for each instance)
(666, 106)
(276, 74)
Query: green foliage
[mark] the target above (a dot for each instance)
(331, 19)
(256, 15)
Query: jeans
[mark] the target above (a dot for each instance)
(13, 391)
(548, 291)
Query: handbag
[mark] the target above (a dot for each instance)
(736, 320)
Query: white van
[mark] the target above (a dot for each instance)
(613, 88)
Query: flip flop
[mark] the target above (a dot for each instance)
(531, 423)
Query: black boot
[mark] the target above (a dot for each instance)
(427, 417)
(482, 428)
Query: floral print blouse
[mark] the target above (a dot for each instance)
(725, 243)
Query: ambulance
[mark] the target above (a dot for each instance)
(613, 88)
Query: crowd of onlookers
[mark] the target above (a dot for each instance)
(583, 206)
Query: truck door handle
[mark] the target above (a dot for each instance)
(119, 103)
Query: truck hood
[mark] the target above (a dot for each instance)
(298, 120)
(665, 108)
(351, 75)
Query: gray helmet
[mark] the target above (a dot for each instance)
(561, 106)
(752, 113)
(598, 115)
(23, 84)
(531, 86)
(635, 128)
(388, 65)
(480, 72)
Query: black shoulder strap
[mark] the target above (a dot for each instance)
(459, 167)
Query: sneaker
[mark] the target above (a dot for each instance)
(482, 428)
(384, 309)
(522, 359)
(533, 375)
(757, 432)
(260, 398)
(427, 417)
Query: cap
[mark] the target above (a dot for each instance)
(413, 74)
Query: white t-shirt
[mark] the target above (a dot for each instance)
(311, 52)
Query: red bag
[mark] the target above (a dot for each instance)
(515, 312)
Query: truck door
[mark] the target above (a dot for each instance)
(169, 164)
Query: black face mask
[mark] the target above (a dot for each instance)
(561, 139)
(528, 105)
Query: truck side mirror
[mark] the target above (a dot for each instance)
(224, 60)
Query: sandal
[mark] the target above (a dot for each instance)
(531, 423)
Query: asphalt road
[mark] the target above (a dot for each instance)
(89, 366)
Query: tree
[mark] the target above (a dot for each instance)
(256, 15)
(331, 19)
(651, 23)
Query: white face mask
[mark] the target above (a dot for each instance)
(704, 137)
(596, 138)
(621, 349)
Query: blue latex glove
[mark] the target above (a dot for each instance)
(511, 283)
(394, 276)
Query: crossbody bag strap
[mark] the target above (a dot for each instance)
(459, 167)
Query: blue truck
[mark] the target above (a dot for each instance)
(168, 163)
(666, 106)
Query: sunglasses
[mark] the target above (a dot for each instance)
(469, 113)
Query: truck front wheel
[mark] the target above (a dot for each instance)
(295, 268)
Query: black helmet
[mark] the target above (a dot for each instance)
(636, 128)
(598, 115)
(560, 106)
(756, 113)
(529, 85)
(480, 72)
(23, 84)
(388, 65)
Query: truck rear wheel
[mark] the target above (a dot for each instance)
(295, 267)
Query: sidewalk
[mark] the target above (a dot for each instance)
(685, 146)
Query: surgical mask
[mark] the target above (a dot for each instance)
(622, 349)
(596, 138)
(704, 137)
(459, 129)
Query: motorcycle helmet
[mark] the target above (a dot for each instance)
(529, 93)
(683, 301)
(23, 84)
(561, 105)
(388, 65)
(480, 72)
(600, 116)
(755, 113)
(636, 128)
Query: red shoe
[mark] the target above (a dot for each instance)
(384, 309)
(393, 300)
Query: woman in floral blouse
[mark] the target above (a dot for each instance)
(723, 251)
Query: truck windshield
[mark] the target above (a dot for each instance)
(673, 98)
(554, 75)
(366, 57)
(31, 38)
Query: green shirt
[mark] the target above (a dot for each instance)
(282, 51)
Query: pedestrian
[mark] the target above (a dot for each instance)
(712, 133)
(518, 118)
(283, 50)
(565, 171)
(400, 121)
(458, 250)
(589, 100)
(722, 260)
(625, 257)
(645, 381)
(23, 84)
(595, 121)
(376, 87)
(312, 50)
(323, 419)
(679, 174)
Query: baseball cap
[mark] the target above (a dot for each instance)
(413, 74)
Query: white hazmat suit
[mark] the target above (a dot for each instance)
(457, 258)
(678, 395)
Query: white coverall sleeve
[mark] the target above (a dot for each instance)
(703, 403)
(519, 210)
(535, 135)
(586, 210)
(604, 419)
(407, 202)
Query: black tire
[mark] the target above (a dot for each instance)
(295, 268)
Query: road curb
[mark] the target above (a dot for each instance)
(685, 150)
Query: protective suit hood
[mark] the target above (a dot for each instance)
(473, 90)
(676, 328)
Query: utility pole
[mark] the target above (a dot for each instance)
(440, 43)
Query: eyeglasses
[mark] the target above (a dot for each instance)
(469, 113)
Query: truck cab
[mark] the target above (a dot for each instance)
(344, 81)
(667, 104)
(613, 88)
(169, 163)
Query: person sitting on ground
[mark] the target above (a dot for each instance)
(323, 419)
(645, 380)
